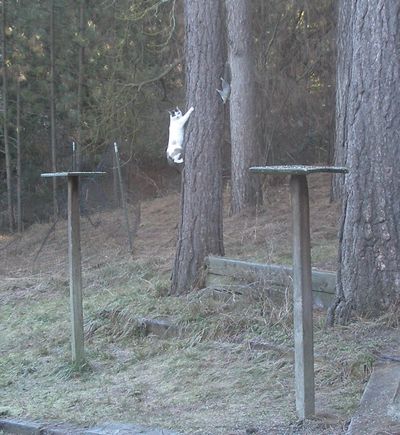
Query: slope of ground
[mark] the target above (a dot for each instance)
(204, 382)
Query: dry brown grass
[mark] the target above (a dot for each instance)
(266, 235)
(211, 380)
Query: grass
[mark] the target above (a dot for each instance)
(210, 380)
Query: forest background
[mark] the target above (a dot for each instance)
(97, 72)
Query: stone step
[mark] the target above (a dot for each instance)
(25, 427)
(379, 410)
(394, 407)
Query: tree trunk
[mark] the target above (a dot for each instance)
(344, 61)
(53, 110)
(367, 142)
(80, 81)
(245, 147)
(5, 121)
(19, 172)
(200, 230)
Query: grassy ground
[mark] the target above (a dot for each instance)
(208, 381)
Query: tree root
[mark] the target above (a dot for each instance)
(340, 312)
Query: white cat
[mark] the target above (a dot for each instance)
(176, 135)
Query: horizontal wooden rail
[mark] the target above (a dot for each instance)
(225, 271)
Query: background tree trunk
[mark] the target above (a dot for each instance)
(367, 142)
(5, 120)
(200, 230)
(53, 110)
(19, 172)
(80, 81)
(245, 147)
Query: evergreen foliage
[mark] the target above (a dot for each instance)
(133, 73)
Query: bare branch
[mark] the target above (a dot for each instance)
(154, 79)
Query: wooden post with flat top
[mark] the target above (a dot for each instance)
(302, 281)
(302, 298)
(75, 271)
(75, 268)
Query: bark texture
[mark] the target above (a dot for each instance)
(200, 229)
(367, 142)
(7, 151)
(81, 71)
(18, 163)
(53, 111)
(245, 147)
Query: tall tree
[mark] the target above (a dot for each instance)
(18, 78)
(367, 142)
(7, 151)
(245, 148)
(80, 79)
(53, 137)
(18, 163)
(200, 229)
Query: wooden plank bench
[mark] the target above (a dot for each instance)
(227, 272)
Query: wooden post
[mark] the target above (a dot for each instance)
(115, 180)
(75, 272)
(302, 279)
(74, 254)
(302, 298)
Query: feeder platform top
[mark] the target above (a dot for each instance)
(71, 174)
(298, 169)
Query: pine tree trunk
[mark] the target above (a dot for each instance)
(344, 61)
(19, 172)
(245, 147)
(80, 81)
(5, 121)
(53, 111)
(367, 142)
(200, 230)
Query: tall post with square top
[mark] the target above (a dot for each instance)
(302, 297)
(75, 271)
(302, 281)
(75, 268)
